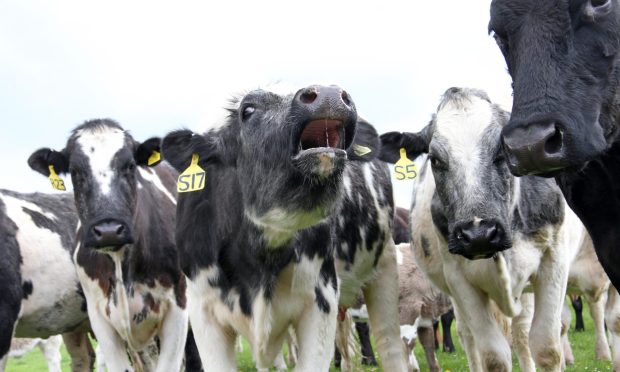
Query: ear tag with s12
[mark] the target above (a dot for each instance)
(57, 182)
(404, 168)
(193, 178)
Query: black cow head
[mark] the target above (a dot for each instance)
(474, 187)
(288, 152)
(564, 62)
(102, 159)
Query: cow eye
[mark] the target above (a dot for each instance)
(247, 112)
(437, 163)
(595, 9)
(499, 158)
(129, 167)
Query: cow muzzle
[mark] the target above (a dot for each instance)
(478, 240)
(109, 234)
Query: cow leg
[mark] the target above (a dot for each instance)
(412, 362)
(316, 331)
(569, 358)
(578, 306)
(612, 318)
(426, 335)
(597, 311)
(491, 345)
(520, 333)
(79, 350)
(344, 342)
(216, 343)
(51, 351)
(549, 292)
(172, 339)
(381, 297)
(467, 341)
(368, 355)
(112, 345)
(446, 323)
(292, 346)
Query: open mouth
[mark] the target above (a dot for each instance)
(327, 133)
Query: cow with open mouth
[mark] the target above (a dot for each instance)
(564, 60)
(258, 242)
(126, 257)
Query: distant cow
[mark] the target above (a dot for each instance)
(39, 285)
(126, 258)
(469, 210)
(258, 242)
(420, 304)
(564, 59)
(50, 348)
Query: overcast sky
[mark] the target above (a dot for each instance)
(157, 67)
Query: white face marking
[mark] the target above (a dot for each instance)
(100, 146)
(150, 175)
(461, 128)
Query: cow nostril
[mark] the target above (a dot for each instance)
(345, 98)
(492, 233)
(97, 232)
(554, 143)
(308, 96)
(461, 236)
(120, 229)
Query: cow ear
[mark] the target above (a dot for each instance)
(366, 143)
(149, 152)
(414, 143)
(41, 160)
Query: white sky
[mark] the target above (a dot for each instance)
(155, 67)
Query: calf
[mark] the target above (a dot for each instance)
(259, 242)
(420, 305)
(126, 257)
(50, 348)
(41, 294)
(564, 59)
(469, 206)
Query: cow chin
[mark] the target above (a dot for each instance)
(320, 163)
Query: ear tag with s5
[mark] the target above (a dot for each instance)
(404, 168)
(57, 182)
(193, 178)
(154, 158)
(360, 150)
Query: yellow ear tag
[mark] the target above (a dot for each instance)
(56, 181)
(404, 168)
(360, 150)
(193, 178)
(154, 158)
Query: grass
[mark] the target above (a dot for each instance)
(581, 342)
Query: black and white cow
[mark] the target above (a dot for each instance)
(126, 257)
(564, 59)
(258, 244)
(39, 285)
(468, 205)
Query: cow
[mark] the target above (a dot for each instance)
(468, 211)
(126, 257)
(41, 294)
(293, 192)
(50, 348)
(563, 57)
(420, 304)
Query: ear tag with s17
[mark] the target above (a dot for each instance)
(193, 178)
(404, 168)
(57, 182)
(154, 158)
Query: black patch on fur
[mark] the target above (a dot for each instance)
(27, 289)
(320, 300)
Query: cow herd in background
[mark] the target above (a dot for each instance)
(279, 222)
